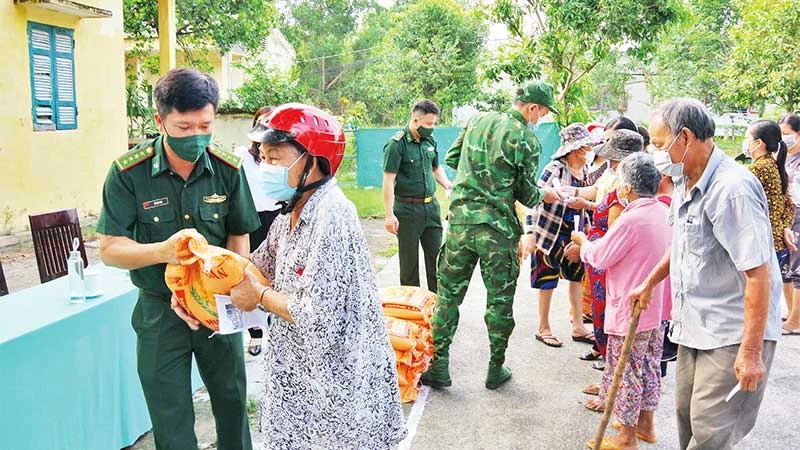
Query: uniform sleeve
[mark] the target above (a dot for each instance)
(118, 215)
(242, 215)
(391, 157)
(525, 189)
(454, 153)
(435, 162)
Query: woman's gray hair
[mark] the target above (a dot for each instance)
(680, 113)
(638, 170)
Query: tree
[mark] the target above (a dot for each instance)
(205, 22)
(689, 59)
(264, 85)
(764, 65)
(565, 40)
(320, 31)
(427, 49)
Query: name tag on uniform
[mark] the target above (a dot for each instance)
(164, 201)
(214, 198)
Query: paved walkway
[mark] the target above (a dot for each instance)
(541, 407)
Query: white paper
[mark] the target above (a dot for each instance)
(234, 320)
(577, 220)
(733, 392)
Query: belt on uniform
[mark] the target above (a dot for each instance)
(156, 294)
(415, 199)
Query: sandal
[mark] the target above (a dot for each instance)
(587, 338)
(254, 349)
(590, 356)
(599, 365)
(594, 405)
(617, 425)
(587, 318)
(605, 444)
(592, 389)
(549, 340)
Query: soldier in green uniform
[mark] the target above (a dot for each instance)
(152, 193)
(410, 166)
(496, 156)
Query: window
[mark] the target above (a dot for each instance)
(52, 66)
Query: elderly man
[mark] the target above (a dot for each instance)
(725, 280)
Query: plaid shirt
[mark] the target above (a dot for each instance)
(549, 216)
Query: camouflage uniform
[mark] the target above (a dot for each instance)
(496, 156)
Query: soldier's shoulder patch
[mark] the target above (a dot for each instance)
(134, 157)
(399, 135)
(226, 157)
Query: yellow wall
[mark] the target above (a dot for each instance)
(47, 170)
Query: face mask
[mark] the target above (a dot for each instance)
(533, 123)
(424, 132)
(275, 181)
(789, 140)
(664, 163)
(189, 148)
(746, 149)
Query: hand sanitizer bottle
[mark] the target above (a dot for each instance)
(75, 274)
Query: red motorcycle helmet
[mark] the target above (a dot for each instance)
(316, 131)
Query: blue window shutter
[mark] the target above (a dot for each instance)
(64, 80)
(42, 76)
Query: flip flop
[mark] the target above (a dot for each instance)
(599, 408)
(587, 318)
(592, 389)
(617, 425)
(785, 332)
(605, 444)
(599, 365)
(547, 339)
(587, 338)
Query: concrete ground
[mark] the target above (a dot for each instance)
(540, 408)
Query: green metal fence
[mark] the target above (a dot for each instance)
(370, 143)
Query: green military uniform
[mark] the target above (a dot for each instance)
(145, 201)
(415, 207)
(496, 156)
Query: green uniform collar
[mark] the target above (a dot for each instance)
(160, 163)
(518, 115)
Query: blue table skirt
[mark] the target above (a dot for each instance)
(68, 372)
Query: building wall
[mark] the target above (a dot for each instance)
(48, 170)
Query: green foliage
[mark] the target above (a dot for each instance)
(141, 121)
(201, 23)
(764, 65)
(264, 85)
(428, 49)
(608, 82)
(570, 38)
(690, 56)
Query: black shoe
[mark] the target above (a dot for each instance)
(590, 356)
(254, 350)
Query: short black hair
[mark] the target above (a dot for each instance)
(793, 120)
(183, 90)
(645, 135)
(621, 123)
(426, 106)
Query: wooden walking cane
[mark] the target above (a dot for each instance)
(627, 346)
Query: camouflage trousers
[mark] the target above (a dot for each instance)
(463, 247)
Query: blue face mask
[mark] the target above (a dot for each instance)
(275, 181)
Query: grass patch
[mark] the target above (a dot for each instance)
(368, 201)
(732, 148)
(389, 252)
(252, 412)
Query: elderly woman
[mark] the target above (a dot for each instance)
(620, 144)
(330, 375)
(790, 129)
(552, 228)
(628, 252)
